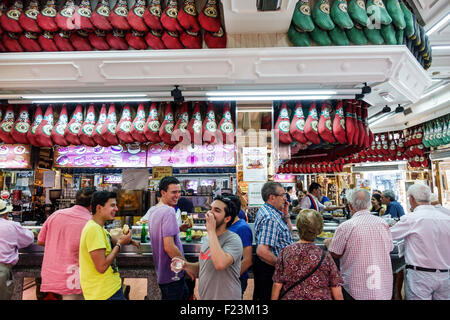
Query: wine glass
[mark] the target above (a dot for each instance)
(176, 266)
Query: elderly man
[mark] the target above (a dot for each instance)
(393, 208)
(273, 232)
(363, 244)
(13, 237)
(426, 232)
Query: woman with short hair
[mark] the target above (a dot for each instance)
(304, 260)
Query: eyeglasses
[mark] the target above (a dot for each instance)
(280, 195)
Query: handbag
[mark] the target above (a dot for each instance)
(303, 278)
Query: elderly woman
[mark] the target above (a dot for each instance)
(301, 259)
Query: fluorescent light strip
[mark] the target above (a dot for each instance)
(438, 47)
(118, 100)
(83, 96)
(273, 93)
(282, 98)
(438, 25)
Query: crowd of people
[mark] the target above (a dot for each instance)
(80, 254)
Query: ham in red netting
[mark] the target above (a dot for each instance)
(195, 125)
(109, 127)
(87, 128)
(97, 134)
(7, 124)
(74, 126)
(226, 125)
(31, 135)
(44, 130)
(282, 126)
(22, 126)
(60, 127)
(138, 125)
(312, 125)
(325, 124)
(297, 128)
(152, 126)
(166, 130)
(209, 128)
(180, 132)
(124, 126)
(339, 124)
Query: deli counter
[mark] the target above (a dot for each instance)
(138, 263)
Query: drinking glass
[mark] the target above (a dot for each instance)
(176, 266)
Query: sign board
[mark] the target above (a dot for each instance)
(254, 194)
(161, 172)
(255, 163)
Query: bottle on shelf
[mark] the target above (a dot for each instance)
(188, 235)
(143, 234)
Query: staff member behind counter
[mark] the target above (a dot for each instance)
(311, 200)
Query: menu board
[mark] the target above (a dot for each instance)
(15, 156)
(121, 156)
(209, 155)
(255, 164)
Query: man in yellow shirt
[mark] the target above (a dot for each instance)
(99, 275)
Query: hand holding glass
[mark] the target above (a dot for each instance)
(176, 266)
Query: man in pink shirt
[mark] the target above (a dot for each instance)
(12, 238)
(61, 235)
(363, 245)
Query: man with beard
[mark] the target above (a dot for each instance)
(220, 256)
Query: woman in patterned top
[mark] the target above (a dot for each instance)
(300, 258)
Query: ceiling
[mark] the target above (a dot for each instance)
(436, 99)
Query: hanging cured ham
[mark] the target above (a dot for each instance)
(46, 20)
(216, 40)
(195, 125)
(362, 130)
(209, 128)
(152, 126)
(116, 39)
(109, 127)
(10, 19)
(169, 17)
(100, 16)
(11, 42)
(31, 135)
(74, 126)
(325, 124)
(154, 40)
(166, 130)
(187, 16)
(47, 42)
(339, 124)
(191, 40)
(366, 142)
(171, 40)
(98, 40)
(138, 125)
(29, 41)
(209, 17)
(180, 132)
(7, 124)
(312, 124)
(226, 126)
(28, 20)
(152, 16)
(297, 128)
(97, 133)
(135, 16)
(82, 16)
(60, 127)
(282, 125)
(355, 123)
(87, 128)
(44, 130)
(64, 18)
(349, 124)
(21, 126)
(118, 16)
(123, 130)
(80, 40)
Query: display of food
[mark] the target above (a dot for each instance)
(326, 235)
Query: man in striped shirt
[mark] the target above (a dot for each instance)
(363, 245)
(273, 232)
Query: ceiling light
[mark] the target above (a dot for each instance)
(271, 93)
(399, 109)
(439, 24)
(386, 109)
(439, 48)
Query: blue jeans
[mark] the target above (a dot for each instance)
(177, 290)
(118, 295)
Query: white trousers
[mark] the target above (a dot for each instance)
(423, 285)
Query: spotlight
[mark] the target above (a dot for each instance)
(399, 109)
(386, 109)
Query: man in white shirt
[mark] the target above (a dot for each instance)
(426, 232)
(311, 200)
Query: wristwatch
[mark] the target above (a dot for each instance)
(118, 245)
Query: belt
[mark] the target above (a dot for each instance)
(9, 266)
(408, 266)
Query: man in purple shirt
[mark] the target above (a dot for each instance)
(165, 240)
(13, 237)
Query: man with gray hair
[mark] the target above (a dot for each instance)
(363, 245)
(273, 232)
(426, 232)
(393, 208)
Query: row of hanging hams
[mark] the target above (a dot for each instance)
(389, 146)
(85, 128)
(76, 27)
(346, 123)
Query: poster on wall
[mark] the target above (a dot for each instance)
(255, 163)
(254, 194)
(15, 156)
